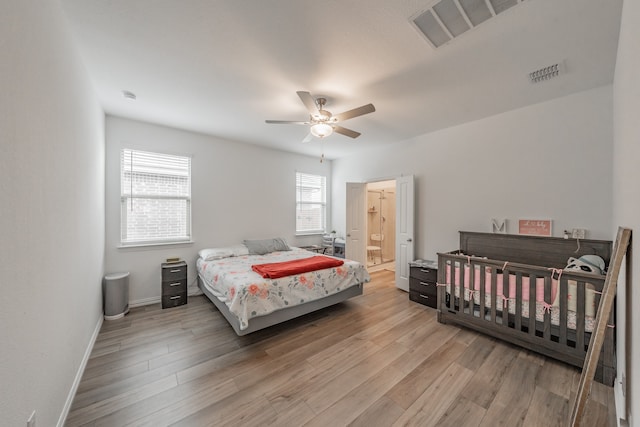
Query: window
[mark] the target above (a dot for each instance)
(155, 202)
(311, 203)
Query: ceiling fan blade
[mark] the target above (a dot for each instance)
(365, 109)
(346, 132)
(308, 137)
(286, 122)
(308, 102)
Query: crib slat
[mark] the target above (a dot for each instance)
(494, 293)
(447, 264)
(461, 289)
(505, 300)
(564, 292)
(472, 278)
(439, 279)
(547, 313)
(580, 318)
(483, 291)
(532, 306)
(518, 322)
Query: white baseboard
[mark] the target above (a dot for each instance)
(144, 301)
(78, 378)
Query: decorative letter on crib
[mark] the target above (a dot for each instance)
(499, 225)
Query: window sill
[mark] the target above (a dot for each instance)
(155, 245)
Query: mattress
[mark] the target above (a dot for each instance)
(248, 295)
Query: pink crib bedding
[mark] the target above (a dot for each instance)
(551, 305)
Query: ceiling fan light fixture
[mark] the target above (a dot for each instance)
(321, 130)
(322, 122)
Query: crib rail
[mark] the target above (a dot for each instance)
(546, 310)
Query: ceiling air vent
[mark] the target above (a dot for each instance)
(447, 19)
(546, 73)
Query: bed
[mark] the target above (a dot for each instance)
(515, 288)
(251, 302)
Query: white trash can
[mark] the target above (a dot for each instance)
(115, 293)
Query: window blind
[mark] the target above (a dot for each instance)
(311, 203)
(155, 197)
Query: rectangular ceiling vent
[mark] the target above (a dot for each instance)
(546, 73)
(447, 19)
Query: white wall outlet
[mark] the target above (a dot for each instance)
(31, 422)
(578, 233)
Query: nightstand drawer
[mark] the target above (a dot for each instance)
(417, 285)
(175, 287)
(422, 298)
(424, 274)
(174, 300)
(174, 273)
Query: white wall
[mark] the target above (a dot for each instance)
(51, 213)
(549, 160)
(239, 191)
(626, 201)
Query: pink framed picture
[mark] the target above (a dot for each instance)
(534, 227)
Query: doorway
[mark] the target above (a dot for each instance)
(381, 225)
(356, 226)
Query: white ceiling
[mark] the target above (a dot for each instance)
(221, 67)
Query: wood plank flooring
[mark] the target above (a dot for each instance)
(375, 360)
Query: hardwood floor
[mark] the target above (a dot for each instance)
(376, 360)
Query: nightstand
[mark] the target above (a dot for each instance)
(174, 284)
(338, 248)
(423, 277)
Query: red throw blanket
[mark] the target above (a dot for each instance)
(275, 270)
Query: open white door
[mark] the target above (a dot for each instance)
(404, 230)
(356, 222)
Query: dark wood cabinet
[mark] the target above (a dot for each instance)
(423, 277)
(174, 284)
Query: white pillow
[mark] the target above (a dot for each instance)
(265, 246)
(239, 250)
(215, 253)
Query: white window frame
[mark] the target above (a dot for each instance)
(154, 165)
(300, 176)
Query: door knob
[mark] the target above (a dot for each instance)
(348, 235)
(409, 239)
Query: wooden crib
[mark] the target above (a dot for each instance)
(485, 285)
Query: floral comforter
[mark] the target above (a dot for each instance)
(249, 295)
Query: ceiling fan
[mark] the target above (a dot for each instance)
(322, 122)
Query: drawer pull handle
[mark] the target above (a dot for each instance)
(424, 296)
(425, 283)
(176, 297)
(176, 271)
(175, 284)
(424, 270)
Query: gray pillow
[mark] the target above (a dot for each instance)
(261, 247)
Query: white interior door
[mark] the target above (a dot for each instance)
(356, 222)
(404, 229)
